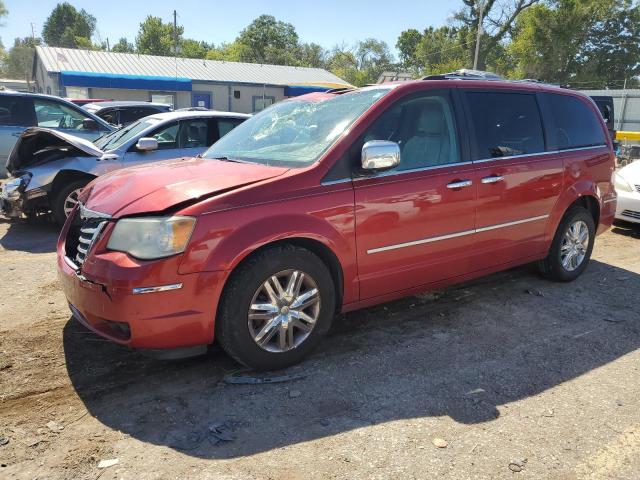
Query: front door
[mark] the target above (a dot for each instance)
(185, 138)
(415, 224)
(16, 114)
(201, 99)
(518, 182)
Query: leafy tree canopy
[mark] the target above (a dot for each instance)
(68, 27)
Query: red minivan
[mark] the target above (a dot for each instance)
(336, 201)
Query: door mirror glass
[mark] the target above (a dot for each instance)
(147, 144)
(380, 155)
(89, 124)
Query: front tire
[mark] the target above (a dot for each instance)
(66, 199)
(571, 248)
(276, 308)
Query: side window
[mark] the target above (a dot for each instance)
(505, 124)
(57, 115)
(573, 123)
(194, 133)
(130, 115)
(110, 116)
(16, 111)
(220, 127)
(167, 136)
(424, 128)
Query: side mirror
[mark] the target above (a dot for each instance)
(380, 155)
(89, 124)
(146, 144)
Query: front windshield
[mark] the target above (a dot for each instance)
(114, 140)
(294, 133)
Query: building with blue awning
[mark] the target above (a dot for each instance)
(182, 82)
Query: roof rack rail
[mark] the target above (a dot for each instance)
(465, 74)
(340, 90)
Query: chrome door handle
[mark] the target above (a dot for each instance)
(492, 179)
(460, 184)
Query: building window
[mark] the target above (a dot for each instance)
(74, 92)
(236, 94)
(166, 98)
(261, 102)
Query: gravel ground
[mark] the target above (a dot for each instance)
(511, 376)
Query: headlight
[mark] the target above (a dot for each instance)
(621, 184)
(152, 237)
(11, 189)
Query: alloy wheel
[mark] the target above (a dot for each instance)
(71, 201)
(574, 245)
(284, 310)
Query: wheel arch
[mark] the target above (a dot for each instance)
(326, 254)
(64, 177)
(584, 194)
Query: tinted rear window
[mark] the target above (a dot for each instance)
(505, 124)
(573, 123)
(16, 110)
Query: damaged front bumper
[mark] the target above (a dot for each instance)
(16, 200)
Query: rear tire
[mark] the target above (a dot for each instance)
(65, 199)
(571, 248)
(276, 308)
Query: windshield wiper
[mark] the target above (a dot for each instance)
(226, 159)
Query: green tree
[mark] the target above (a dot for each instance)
(123, 46)
(407, 46)
(499, 18)
(68, 27)
(194, 48)
(442, 50)
(311, 55)
(585, 43)
(156, 37)
(373, 57)
(3, 12)
(342, 62)
(19, 59)
(268, 40)
(228, 52)
(3, 54)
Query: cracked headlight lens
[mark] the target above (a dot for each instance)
(11, 189)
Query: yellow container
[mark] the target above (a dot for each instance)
(620, 135)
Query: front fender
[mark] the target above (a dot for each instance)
(223, 239)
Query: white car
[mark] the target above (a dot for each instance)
(627, 183)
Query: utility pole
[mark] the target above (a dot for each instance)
(33, 33)
(479, 34)
(175, 54)
(175, 33)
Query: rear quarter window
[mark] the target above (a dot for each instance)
(16, 111)
(572, 123)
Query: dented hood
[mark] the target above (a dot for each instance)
(38, 145)
(158, 186)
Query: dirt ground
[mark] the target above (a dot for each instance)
(520, 377)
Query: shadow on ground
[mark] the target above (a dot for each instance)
(34, 236)
(462, 352)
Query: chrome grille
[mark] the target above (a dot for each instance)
(638, 188)
(89, 233)
(631, 214)
(85, 229)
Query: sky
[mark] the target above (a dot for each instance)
(327, 22)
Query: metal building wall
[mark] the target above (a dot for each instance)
(626, 105)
